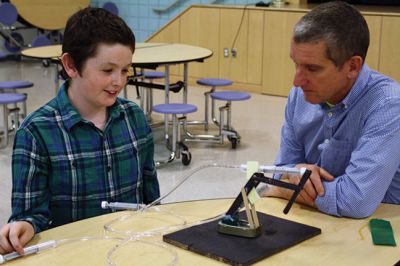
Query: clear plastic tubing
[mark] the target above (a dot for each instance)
(28, 251)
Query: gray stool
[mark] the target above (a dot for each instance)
(12, 87)
(177, 146)
(10, 98)
(224, 125)
(213, 83)
(146, 94)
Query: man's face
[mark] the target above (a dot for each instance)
(318, 77)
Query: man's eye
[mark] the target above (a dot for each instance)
(312, 68)
(107, 70)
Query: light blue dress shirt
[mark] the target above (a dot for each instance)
(357, 141)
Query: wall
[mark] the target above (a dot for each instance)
(144, 21)
(262, 39)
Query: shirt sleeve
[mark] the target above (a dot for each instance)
(30, 194)
(359, 191)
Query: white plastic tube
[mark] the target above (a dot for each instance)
(28, 251)
(121, 206)
(272, 169)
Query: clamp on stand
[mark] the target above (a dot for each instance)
(231, 224)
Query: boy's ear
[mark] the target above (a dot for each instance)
(69, 65)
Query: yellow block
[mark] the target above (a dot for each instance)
(252, 167)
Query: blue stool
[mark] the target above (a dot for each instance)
(146, 99)
(224, 125)
(8, 16)
(225, 128)
(41, 40)
(3, 55)
(10, 98)
(13, 86)
(178, 147)
(213, 83)
(111, 7)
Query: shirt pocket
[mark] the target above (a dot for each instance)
(335, 156)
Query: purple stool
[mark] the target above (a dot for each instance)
(3, 55)
(178, 147)
(226, 126)
(8, 16)
(146, 102)
(41, 40)
(10, 98)
(111, 7)
(213, 83)
(12, 87)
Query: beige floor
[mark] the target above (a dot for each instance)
(258, 121)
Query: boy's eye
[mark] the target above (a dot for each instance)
(107, 70)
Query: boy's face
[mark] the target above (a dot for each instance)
(103, 76)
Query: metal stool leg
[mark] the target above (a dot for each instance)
(183, 149)
(175, 136)
(214, 119)
(206, 106)
(221, 123)
(5, 130)
(206, 97)
(228, 115)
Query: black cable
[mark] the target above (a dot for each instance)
(240, 25)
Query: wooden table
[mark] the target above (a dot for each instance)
(48, 14)
(340, 242)
(147, 55)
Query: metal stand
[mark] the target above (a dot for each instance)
(231, 224)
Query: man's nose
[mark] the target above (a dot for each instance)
(299, 78)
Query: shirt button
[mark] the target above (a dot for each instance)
(330, 114)
(108, 168)
(326, 141)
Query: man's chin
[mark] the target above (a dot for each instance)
(312, 100)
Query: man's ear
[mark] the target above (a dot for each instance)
(69, 65)
(355, 64)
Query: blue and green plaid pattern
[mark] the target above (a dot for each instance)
(63, 166)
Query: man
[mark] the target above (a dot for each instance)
(86, 145)
(342, 119)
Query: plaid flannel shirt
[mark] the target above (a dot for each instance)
(63, 166)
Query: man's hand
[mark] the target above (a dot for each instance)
(14, 236)
(311, 189)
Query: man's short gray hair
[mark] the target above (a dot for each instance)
(342, 28)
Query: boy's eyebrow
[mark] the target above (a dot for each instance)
(114, 64)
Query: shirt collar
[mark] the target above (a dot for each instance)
(70, 114)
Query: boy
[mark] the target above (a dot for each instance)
(86, 145)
